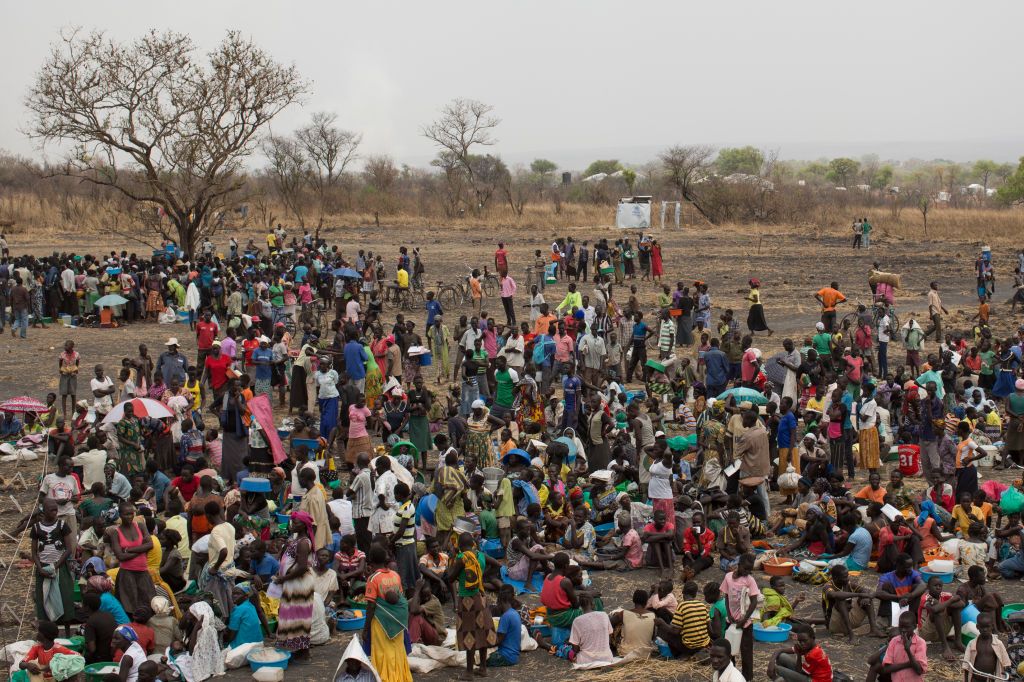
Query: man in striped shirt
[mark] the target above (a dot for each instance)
(687, 634)
(361, 492)
(666, 336)
(403, 541)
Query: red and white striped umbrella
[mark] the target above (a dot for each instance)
(142, 407)
(23, 404)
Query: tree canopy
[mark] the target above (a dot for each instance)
(739, 160)
(154, 122)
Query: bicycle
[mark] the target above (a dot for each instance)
(448, 295)
(490, 283)
(314, 314)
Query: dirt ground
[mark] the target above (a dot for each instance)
(791, 266)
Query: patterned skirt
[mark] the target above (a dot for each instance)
(474, 627)
(478, 444)
(295, 613)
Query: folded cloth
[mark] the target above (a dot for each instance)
(66, 666)
(392, 617)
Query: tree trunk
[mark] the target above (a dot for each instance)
(697, 206)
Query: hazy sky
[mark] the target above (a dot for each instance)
(575, 80)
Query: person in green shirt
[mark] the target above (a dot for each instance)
(865, 227)
(505, 510)
(776, 608)
(97, 504)
(665, 297)
(716, 610)
(505, 381)
(986, 375)
(474, 626)
(822, 343)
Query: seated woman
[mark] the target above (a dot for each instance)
(816, 538)
(636, 626)
(523, 557)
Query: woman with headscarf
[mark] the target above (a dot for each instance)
(134, 655)
(527, 405)
(295, 586)
(451, 486)
(154, 558)
(131, 542)
(478, 433)
(474, 626)
(387, 619)
(103, 586)
(164, 624)
(326, 379)
(203, 642)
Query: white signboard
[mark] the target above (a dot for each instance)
(633, 216)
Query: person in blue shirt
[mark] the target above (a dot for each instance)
(716, 365)
(789, 452)
(245, 626)
(262, 564)
(433, 309)
(300, 270)
(640, 333)
(263, 359)
(509, 628)
(158, 481)
(355, 362)
(543, 357)
(848, 434)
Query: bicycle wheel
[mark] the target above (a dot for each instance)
(415, 299)
(448, 298)
(852, 317)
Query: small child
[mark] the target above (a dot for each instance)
(212, 448)
(986, 656)
(507, 443)
(716, 606)
(662, 600)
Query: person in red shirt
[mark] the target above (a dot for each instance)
(206, 333)
(501, 260)
(37, 660)
(215, 373)
(145, 634)
(805, 660)
(187, 484)
(250, 344)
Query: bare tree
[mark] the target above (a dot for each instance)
(288, 169)
(465, 124)
(328, 150)
(380, 173)
(149, 120)
(452, 192)
(685, 166)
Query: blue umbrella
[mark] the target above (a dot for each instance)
(744, 394)
(347, 272)
(110, 299)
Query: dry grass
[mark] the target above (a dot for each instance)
(39, 220)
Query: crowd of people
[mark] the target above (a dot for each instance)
(466, 481)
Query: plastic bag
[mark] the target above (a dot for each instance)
(1012, 501)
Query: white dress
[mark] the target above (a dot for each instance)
(382, 519)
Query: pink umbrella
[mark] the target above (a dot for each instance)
(142, 407)
(23, 404)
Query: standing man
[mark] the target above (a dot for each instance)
(666, 335)
(884, 332)
(171, 364)
(829, 297)
(935, 311)
(361, 492)
(21, 302)
(508, 291)
(640, 333)
(102, 388)
(68, 365)
(206, 333)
